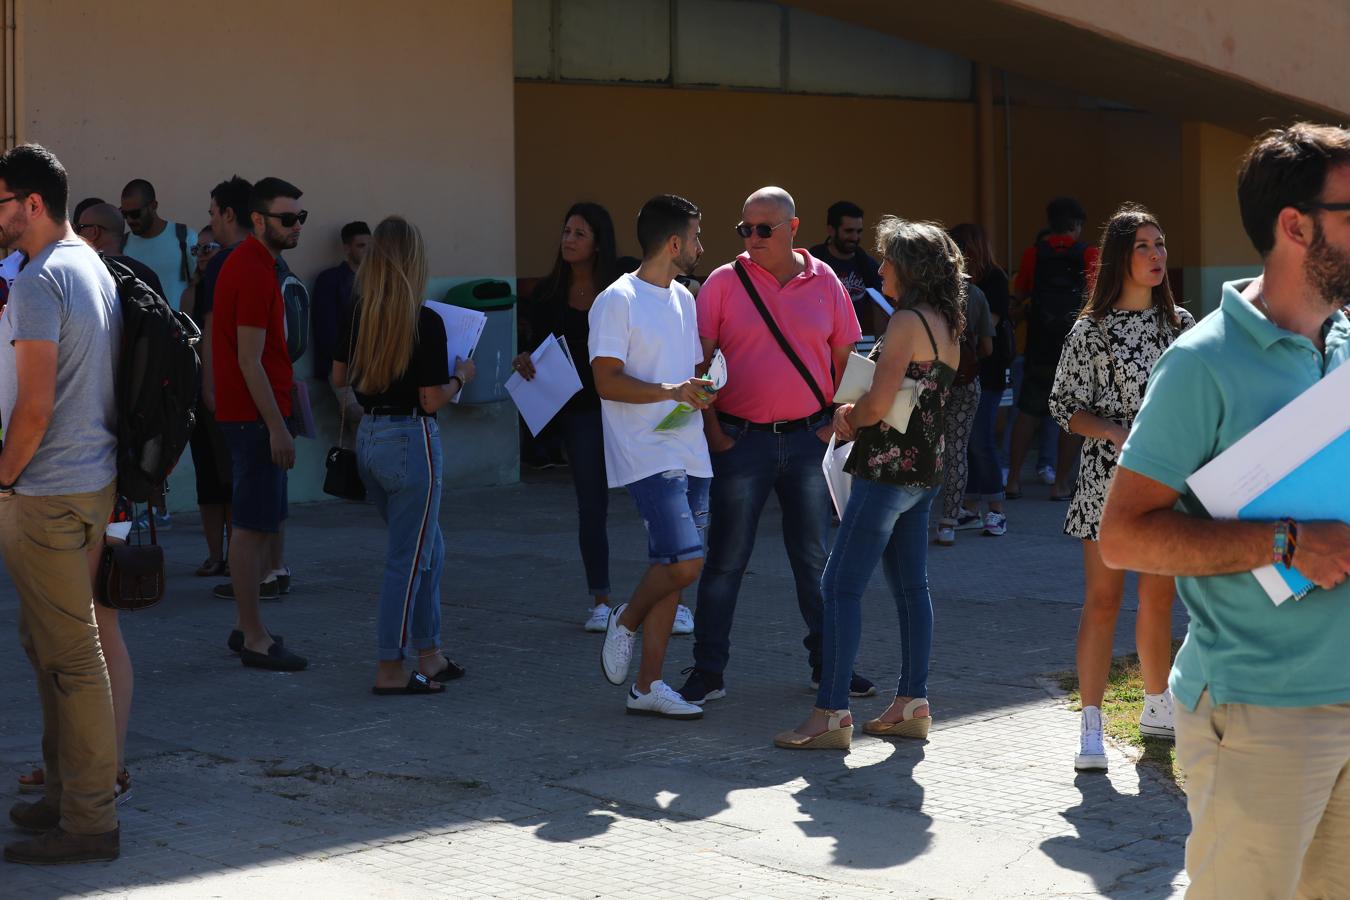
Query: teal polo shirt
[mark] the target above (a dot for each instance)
(1217, 382)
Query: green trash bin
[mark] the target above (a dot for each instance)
(497, 347)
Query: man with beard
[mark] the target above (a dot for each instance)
(772, 422)
(162, 245)
(253, 380)
(856, 270)
(644, 348)
(60, 337)
(1262, 691)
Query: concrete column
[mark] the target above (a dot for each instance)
(985, 142)
(1216, 247)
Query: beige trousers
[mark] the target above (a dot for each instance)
(1268, 789)
(44, 541)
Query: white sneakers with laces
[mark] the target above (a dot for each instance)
(661, 700)
(995, 524)
(1156, 718)
(946, 534)
(1091, 742)
(684, 620)
(617, 654)
(598, 619)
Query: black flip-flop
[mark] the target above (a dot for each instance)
(451, 671)
(417, 684)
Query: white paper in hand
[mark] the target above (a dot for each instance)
(463, 328)
(837, 480)
(555, 382)
(857, 380)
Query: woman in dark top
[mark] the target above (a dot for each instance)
(393, 351)
(584, 267)
(896, 475)
(985, 482)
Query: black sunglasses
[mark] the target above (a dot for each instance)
(203, 249)
(133, 213)
(761, 229)
(288, 220)
(80, 229)
(1329, 207)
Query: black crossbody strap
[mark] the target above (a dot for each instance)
(778, 336)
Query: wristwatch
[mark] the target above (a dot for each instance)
(1285, 543)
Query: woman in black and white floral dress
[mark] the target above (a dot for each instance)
(1129, 320)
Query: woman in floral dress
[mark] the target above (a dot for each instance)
(1129, 320)
(896, 475)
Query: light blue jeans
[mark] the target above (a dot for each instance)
(887, 524)
(399, 458)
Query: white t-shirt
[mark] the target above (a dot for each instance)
(654, 332)
(163, 254)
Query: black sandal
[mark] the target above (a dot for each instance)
(417, 684)
(451, 671)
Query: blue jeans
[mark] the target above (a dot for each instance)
(260, 485)
(674, 507)
(585, 443)
(986, 476)
(760, 462)
(888, 524)
(399, 458)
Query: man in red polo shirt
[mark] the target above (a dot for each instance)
(771, 424)
(253, 381)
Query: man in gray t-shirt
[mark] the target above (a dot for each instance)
(59, 340)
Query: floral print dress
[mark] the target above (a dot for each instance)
(1103, 370)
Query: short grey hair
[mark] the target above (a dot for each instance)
(774, 195)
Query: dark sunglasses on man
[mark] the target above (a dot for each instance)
(763, 230)
(288, 219)
(133, 213)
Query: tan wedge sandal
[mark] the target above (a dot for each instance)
(836, 736)
(909, 726)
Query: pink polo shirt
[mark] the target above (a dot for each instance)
(814, 313)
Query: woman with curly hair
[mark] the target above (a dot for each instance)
(1129, 320)
(896, 475)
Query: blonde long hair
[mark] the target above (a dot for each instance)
(390, 286)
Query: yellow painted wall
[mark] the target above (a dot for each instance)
(1212, 156)
(404, 108)
(620, 145)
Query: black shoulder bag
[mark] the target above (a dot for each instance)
(778, 336)
(342, 477)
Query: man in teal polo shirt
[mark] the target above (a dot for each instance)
(1263, 691)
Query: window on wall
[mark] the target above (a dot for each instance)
(745, 44)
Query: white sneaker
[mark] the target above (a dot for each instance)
(684, 620)
(1046, 474)
(968, 521)
(617, 653)
(946, 535)
(1091, 746)
(995, 524)
(1156, 719)
(661, 700)
(599, 618)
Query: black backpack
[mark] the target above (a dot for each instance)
(157, 383)
(1056, 298)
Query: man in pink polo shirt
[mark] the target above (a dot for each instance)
(771, 423)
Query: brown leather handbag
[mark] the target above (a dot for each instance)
(131, 576)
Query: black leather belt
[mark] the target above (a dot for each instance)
(781, 427)
(395, 411)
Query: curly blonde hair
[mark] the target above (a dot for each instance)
(928, 265)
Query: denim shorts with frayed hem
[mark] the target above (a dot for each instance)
(674, 507)
(259, 502)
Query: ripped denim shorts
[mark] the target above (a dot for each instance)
(674, 507)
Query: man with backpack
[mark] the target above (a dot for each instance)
(60, 341)
(164, 246)
(1051, 283)
(252, 385)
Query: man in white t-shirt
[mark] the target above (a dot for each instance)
(164, 246)
(644, 347)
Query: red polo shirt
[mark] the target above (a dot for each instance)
(248, 294)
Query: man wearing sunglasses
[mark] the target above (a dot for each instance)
(164, 246)
(771, 423)
(253, 379)
(102, 227)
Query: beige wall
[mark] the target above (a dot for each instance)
(619, 145)
(404, 108)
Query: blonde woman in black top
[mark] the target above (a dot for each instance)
(393, 351)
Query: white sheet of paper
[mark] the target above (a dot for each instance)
(837, 480)
(555, 382)
(857, 380)
(463, 328)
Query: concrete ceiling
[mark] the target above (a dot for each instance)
(1031, 43)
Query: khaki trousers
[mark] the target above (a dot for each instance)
(1268, 789)
(44, 541)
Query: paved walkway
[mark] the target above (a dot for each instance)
(527, 780)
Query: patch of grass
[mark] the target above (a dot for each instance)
(1121, 706)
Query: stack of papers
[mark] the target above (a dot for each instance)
(463, 328)
(1293, 465)
(682, 413)
(555, 382)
